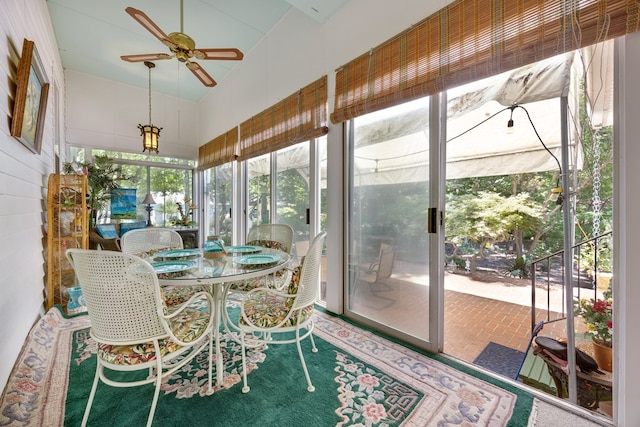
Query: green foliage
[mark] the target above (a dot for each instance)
(293, 199)
(219, 190)
(103, 175)
(602, 253)
(519, 267)
(173, 184)
(459, 262)
(259, 195)
(489, 217)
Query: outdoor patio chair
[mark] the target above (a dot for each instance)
(376, 273)
(380, 269)
(270, 316)
(144, 242)
(130, 324)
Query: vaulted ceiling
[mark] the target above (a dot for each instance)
(93, 34)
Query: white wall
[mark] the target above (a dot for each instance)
(23, 178)
(105, 114)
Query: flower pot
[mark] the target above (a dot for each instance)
(602, 354)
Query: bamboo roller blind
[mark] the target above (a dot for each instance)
(472, 39)
(299, 117)
(219, 150)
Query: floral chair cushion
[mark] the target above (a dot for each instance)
(278, 280)
(271, 244)
(266, 310)
(187, 327)
(174, 296)
(295, 278)
(149, 253)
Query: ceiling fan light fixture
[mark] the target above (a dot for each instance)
(182, 47)
(182, 40)
(150, 133)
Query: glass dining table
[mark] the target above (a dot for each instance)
(193, 267)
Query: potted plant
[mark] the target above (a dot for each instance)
(102, 177)
(185, 214)
(598, 314)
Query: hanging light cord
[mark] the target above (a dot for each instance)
(511, 108)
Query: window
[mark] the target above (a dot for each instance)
(168, 180)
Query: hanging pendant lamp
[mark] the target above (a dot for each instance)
(150, 133)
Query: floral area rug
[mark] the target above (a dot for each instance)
(361, 379)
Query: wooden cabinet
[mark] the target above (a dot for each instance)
(67, 227)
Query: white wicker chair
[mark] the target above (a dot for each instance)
(129, 324)
(144, 242)
(266, 313)
(275, 236)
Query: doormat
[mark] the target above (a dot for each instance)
(500, 359)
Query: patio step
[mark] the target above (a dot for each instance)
(534, 373)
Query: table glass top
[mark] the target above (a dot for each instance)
(233, 266)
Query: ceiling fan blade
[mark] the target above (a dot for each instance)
(201, 74)
(146, 57)
(151, 26)
(230, 54)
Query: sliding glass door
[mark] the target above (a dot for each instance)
(219, 198)
(292, 193)
(390, 278)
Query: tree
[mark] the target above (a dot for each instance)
(293, 198)
(489, 217)
(169, 183)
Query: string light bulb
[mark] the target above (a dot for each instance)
(510, 122)
(558, 191)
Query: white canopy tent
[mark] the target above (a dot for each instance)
(392, 145)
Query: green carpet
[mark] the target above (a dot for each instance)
(361, 379)
(278, 395)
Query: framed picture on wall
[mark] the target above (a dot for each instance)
(30, 101)
(123, 203)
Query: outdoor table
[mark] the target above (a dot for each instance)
(213, 273)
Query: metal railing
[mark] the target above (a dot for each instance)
(589, 259)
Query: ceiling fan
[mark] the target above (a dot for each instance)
(182, 47)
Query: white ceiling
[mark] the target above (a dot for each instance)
(93, 34)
